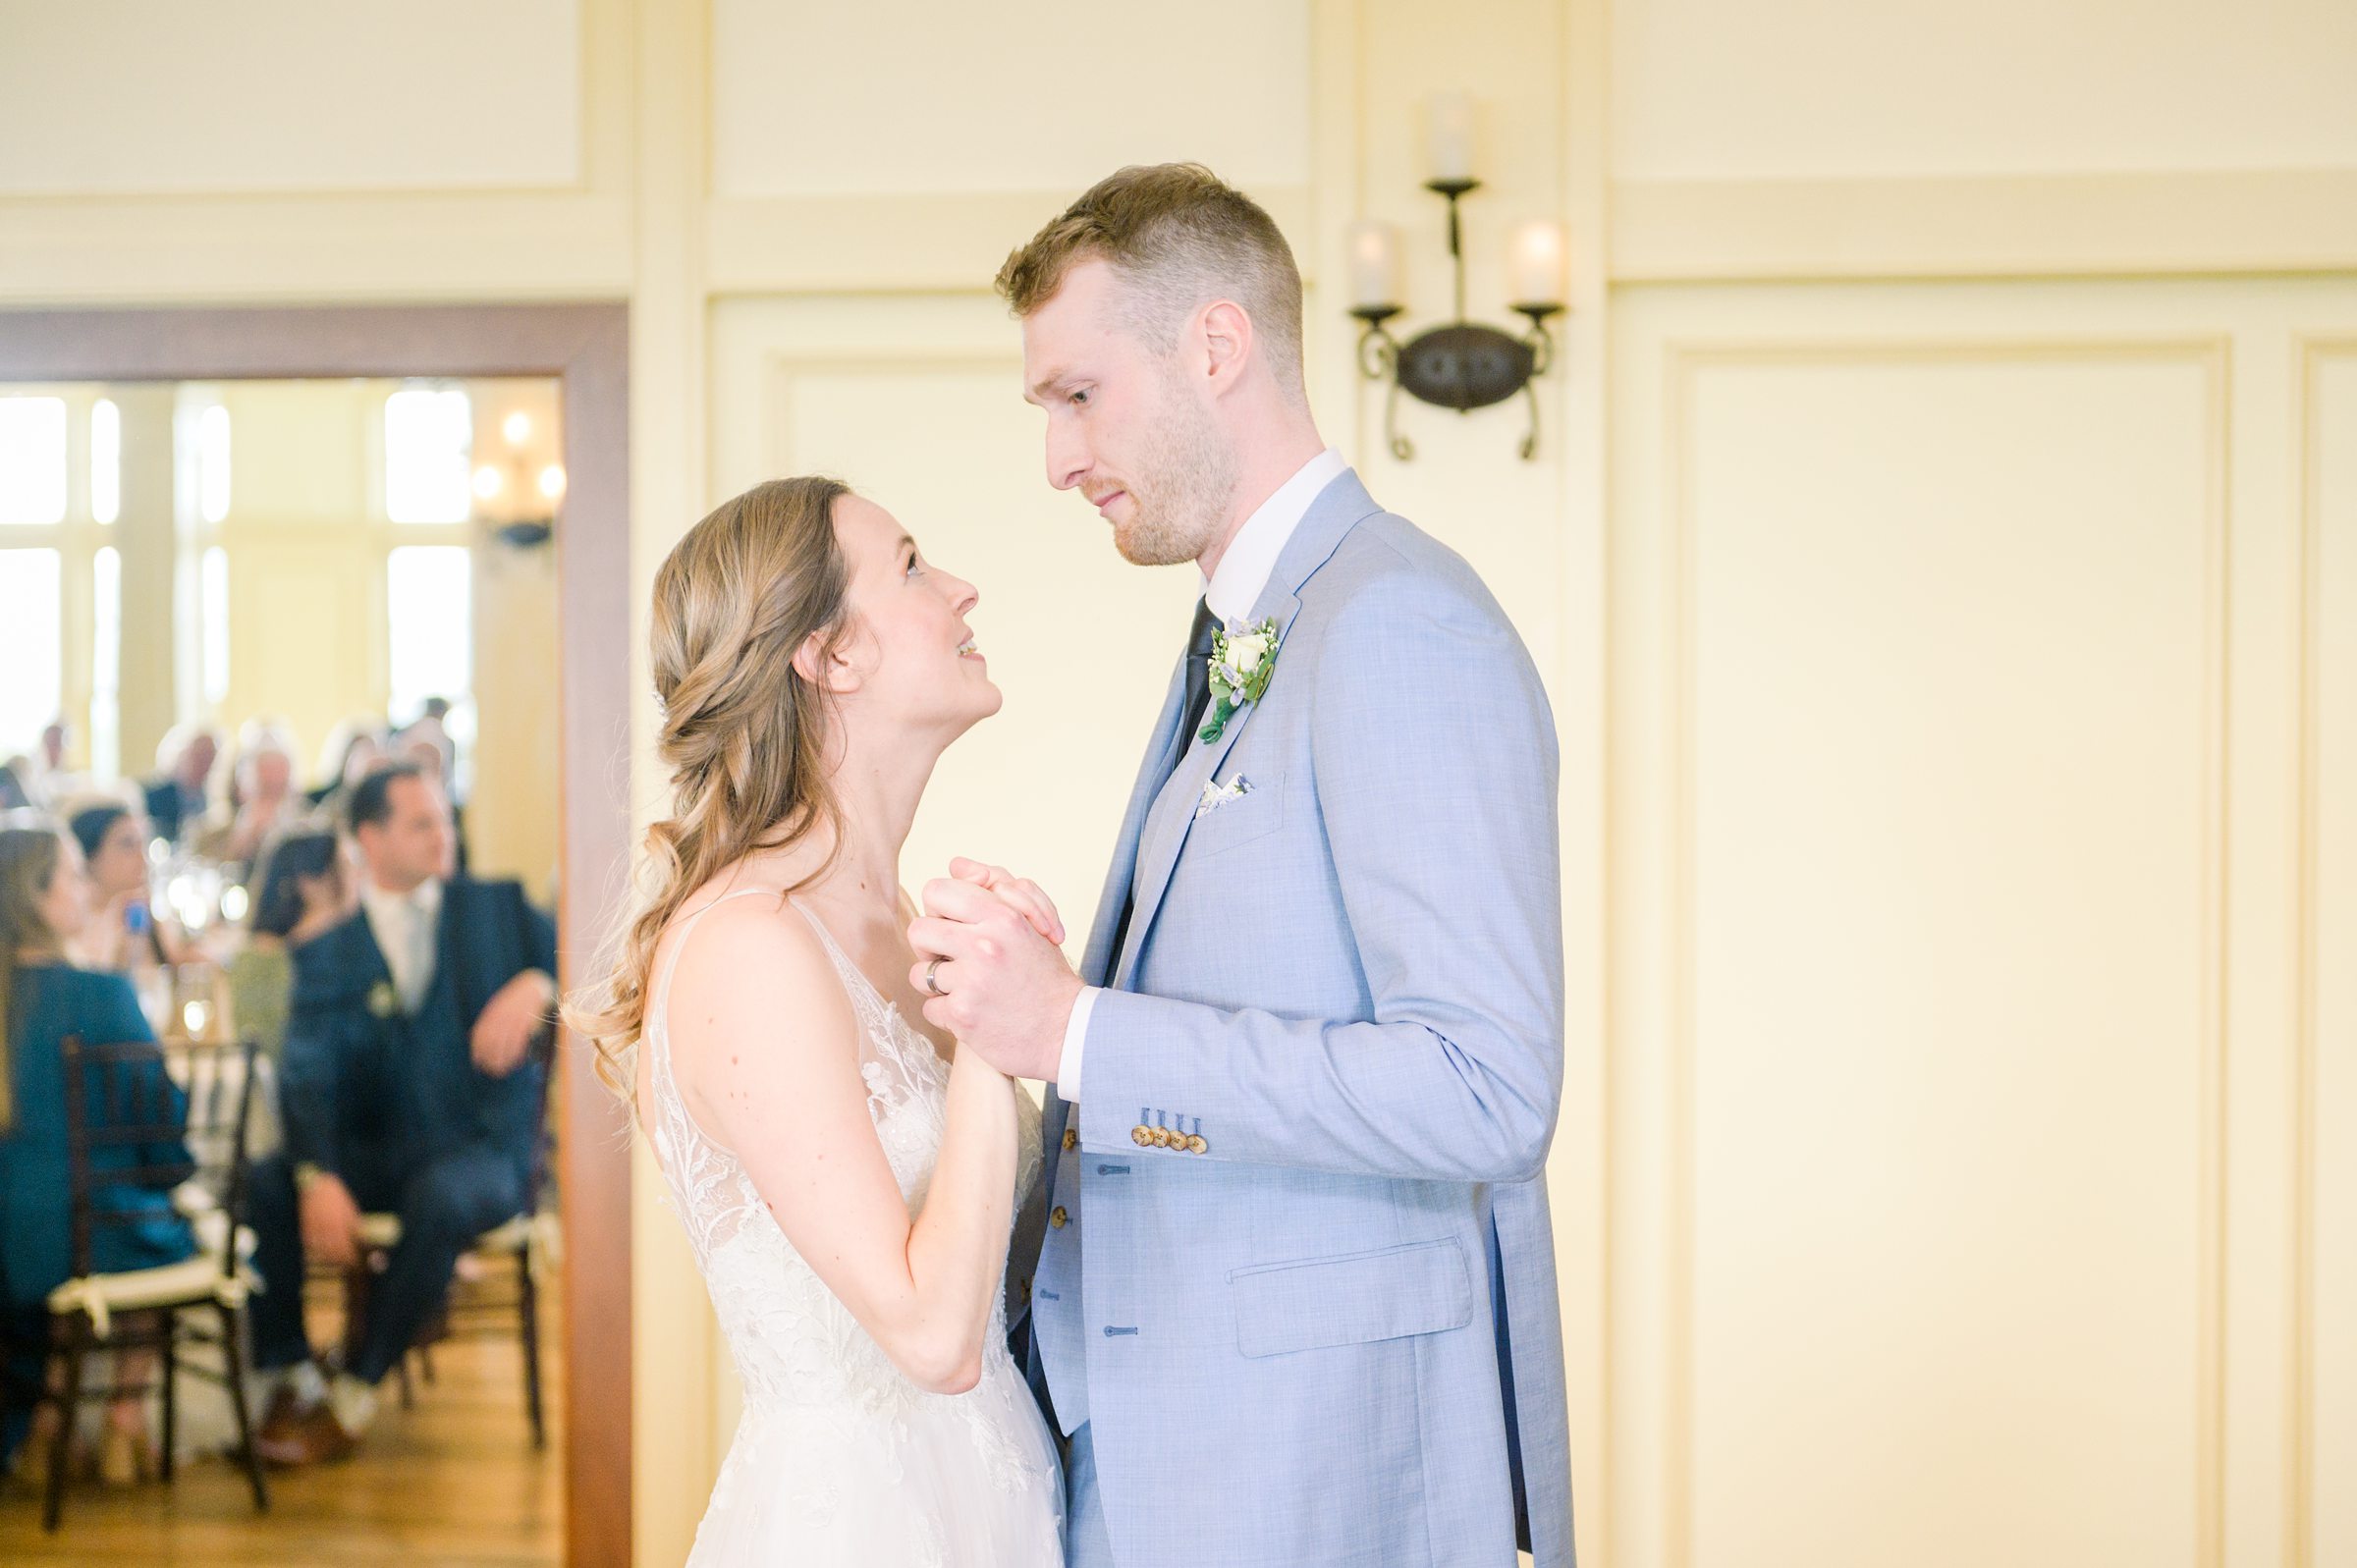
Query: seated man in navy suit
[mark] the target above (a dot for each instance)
(408, 1088)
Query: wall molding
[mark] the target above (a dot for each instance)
(949, 242)
(2310, 354)
(2255, 221)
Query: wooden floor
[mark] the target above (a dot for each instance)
(452, 1483)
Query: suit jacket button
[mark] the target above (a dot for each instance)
(1141, 1135)
(1058, 1217)
(1162, 1137)
(1195, 1144)
(1026, 1286)
(1071, 1139)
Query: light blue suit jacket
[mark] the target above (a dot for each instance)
(1330, 1334)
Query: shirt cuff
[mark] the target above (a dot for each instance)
(1075, 1043)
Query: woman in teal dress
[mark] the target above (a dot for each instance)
(44, 903)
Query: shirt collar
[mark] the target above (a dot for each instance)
(423, 899)
(1253, 554)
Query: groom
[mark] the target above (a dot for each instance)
(1295, 1301)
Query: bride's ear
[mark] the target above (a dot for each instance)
(823, 667)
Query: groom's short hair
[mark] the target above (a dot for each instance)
(1179, 235)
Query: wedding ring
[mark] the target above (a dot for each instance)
(932, 983)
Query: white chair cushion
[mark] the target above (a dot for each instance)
(383, 1231)
(183, 1283)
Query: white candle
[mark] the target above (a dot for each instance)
(1450, 149)
(1374, 264)
(1535, 264)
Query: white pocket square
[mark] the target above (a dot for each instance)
(1215, 795)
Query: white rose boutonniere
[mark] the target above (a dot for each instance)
(382, 1003)
(1242, 661)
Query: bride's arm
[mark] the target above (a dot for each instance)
(766, 1051)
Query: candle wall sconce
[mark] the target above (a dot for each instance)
(1461, 364)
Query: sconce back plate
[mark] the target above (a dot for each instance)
(1464, 366)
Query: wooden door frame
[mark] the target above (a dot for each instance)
(585, 347)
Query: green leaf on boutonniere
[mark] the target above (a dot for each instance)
(1242, 661)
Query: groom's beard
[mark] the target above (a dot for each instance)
(1181, 488)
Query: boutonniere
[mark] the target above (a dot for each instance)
(1240, 665)
(382, 1001)
(1215, 795)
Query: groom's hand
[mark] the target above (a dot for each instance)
(1008, 990)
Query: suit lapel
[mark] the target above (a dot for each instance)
(1340, 507)
(1096, 964)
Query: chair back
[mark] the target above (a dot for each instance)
(144, 1116)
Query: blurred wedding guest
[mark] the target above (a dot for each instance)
(177, 799)
(263, 796)
(352, 747)
(15, 783)
(408, 1087)
(51, 784)
(127, 934)
(44, 903)
(302, 890)
(421, 752)
(432, 724)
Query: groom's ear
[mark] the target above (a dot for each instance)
(1227, 343)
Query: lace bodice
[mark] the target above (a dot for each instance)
(796, 1346)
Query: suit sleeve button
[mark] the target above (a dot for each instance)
(1141, 1135)
(1195, 1144)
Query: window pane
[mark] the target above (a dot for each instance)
(33, 460)
(106, 662)
(429, 445)
(429, 605)
(107, 460)
(31, 649)
(215, 613)
(212, 463)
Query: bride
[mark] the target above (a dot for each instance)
(847, 1177)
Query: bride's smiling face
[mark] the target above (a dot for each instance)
(910, 657)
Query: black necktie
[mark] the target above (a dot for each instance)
(1199, 640)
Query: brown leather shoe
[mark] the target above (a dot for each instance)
(280, 1417)
(313, 1437)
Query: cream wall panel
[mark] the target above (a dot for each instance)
(2329, 1301)
(812, 100)
(1949, 666)
(1862, 88)
(1975, 1185)
(128, 96)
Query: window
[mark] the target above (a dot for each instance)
(33, 460)
(430, 608)
(212, 463)
(106, 662)
(214, 585)
(107, 460)
(429, 451)
(30, 646)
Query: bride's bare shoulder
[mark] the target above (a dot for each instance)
(752, 964)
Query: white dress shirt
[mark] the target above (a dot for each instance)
(406, 924)
(1231, 592)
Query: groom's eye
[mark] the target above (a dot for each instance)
(1080, 396)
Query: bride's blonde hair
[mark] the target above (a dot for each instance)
(743, 732)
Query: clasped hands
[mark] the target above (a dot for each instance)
(1000, 982)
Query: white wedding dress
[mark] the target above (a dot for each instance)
(838, 1459)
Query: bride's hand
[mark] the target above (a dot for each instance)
(1019, 893)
